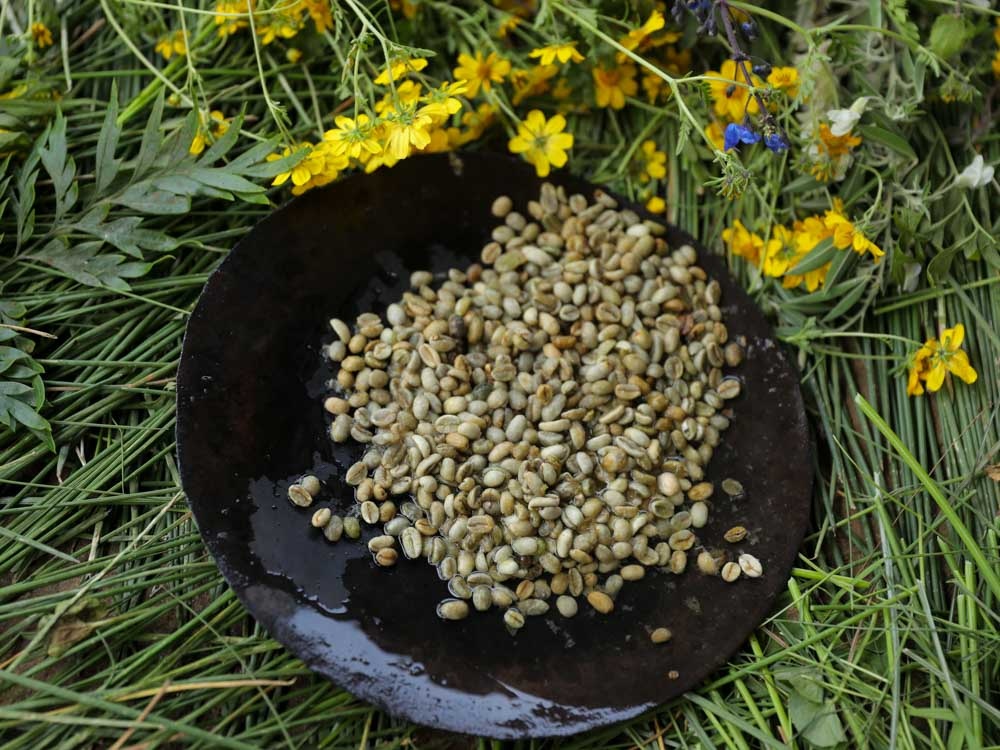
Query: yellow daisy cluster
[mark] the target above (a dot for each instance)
(786, 247)
(613, 83)
(282, 20)
(732, 100)
(614, 79)
(936, 358)
(541, 141)
(408, 119)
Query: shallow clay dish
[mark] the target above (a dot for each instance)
(250, 421)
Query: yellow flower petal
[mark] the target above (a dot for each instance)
(519, 144)
(952, 338)
(935, 376)
(958, 365)
(555, 125)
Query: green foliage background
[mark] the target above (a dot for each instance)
(115, 625)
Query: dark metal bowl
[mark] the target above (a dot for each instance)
(250, 422)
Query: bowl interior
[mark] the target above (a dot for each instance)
(250, 421)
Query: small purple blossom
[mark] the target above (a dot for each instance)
(736, 134)
(777, 142)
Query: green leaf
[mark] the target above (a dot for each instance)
(9, 355)
(802, 184)
(848, 300)
(147, 199)
(152, 139)
(223, 180)
(940, 264)
(24, 198)
(818, 257)
(60, 166)
(84, 265)
(683, 136)
(105, 165)
(127, 235)
(176, 147)
(841, 264)
(269, 169)
(222, 145)
(22, 392)
(950, 34)
(826, 729)
(889, 139)
(183, 184)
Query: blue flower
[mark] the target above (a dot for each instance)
(776, 142)
(737, 134)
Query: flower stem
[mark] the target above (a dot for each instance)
(741, 57)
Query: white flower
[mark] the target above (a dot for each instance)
(843, 120)
(976, 175)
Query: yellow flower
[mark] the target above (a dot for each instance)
(653, 85)
(406, 93)
(407, 128)
(532, 81)
(612, 85)
(232, 15)
(293, 55)
(15, 93)
(809, 232)
(278, 26)
(674, 62)
(812, 279)
(656, 205)
(785, 79)
(779, 252)
(382, 159)
(319, 12)
(562, 90)
(936, 358)
(41, 35)
(508, 25)
(441, 103)
(837, 145)
(831, 154)
(846, 235)
(715, 131)
(476, 123)
(635, 37)
(996, 64)
(400, 68)
(352, 137)
(319, 167)
(172, 44)
(564, 53)
(653, 164)
(208, 131)
(919, 367)
(481, 71)
(806, 234)
(407, 7)
(542, 142)
(730, 94)
(742, 242)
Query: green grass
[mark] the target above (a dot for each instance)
(116, 629)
